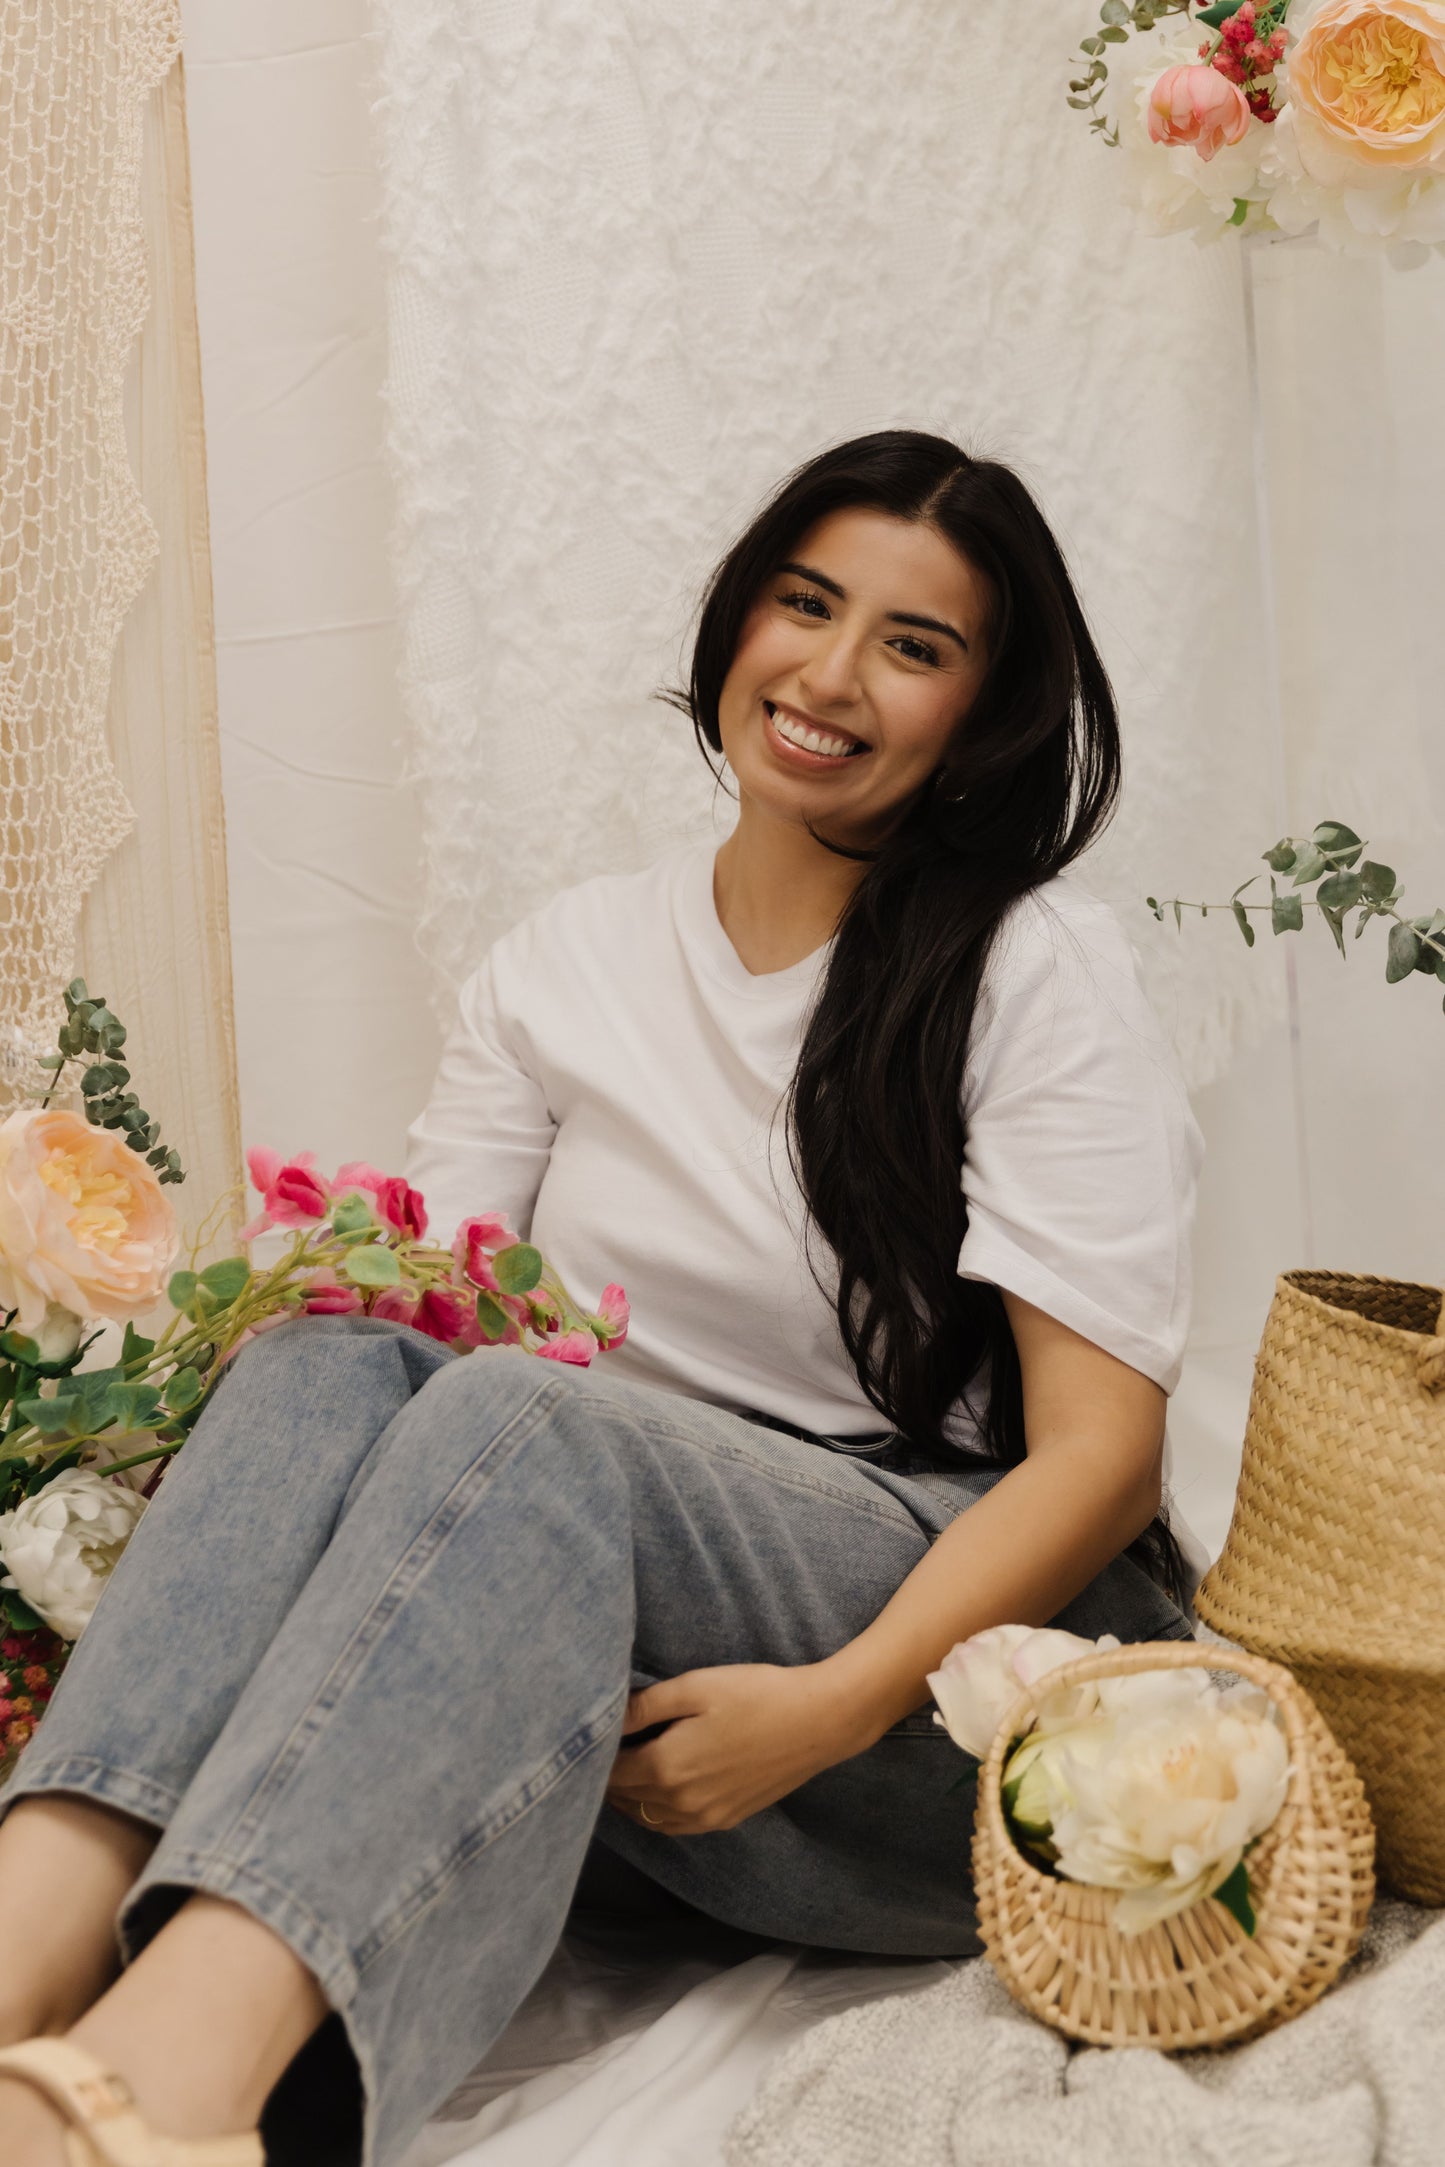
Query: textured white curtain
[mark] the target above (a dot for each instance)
(645, 259)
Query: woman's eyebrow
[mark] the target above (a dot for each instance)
(895, 616)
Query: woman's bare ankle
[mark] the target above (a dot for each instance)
(31, 2133)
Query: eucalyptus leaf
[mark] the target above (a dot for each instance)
(1309, 867)
(1287, 913)
(132, 1406)
(491, 1317)
(226, 1279)
(1341, 891)
(1378, 881)
(1113, 36)
(373, 1265)
(1335, 920)
(1218, 15)
(518, 1268)
(1114, 11)
(1244, 925)
(1335, 837)
(1403, 953)
(53, 1416)
(351, 1213)
(183, 1390)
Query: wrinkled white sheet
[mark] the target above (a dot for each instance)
(624, 2057)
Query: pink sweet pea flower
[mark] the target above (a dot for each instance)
(397, 1204)
(446, 1313)
(398, 1303)
(574, 1346)
(327, 1296)
(293, 1193)
(476, 1242)
(613, 1315)
(1199, 106)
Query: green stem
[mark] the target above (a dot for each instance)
(1376, 910)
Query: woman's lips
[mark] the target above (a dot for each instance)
(805, 756)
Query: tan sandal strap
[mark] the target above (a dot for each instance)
(99, 2104)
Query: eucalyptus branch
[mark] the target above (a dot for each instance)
(90, 1028)
(1333, 856)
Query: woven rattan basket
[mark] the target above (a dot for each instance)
(1335, 1560)
(1196, 1980)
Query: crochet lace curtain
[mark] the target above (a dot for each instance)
(75, 539)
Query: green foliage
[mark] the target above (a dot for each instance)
(491, 1317)
(90, 1028)
(352, 1215)
(1118, 20)
(518, 1268)
(373, 1265)
(1332, 861)
(1234, 1895)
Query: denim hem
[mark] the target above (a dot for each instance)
(106, 1785)
(211, 1873)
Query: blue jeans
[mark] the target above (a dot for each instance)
(365, 1663)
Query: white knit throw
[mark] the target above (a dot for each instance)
(957, 2075)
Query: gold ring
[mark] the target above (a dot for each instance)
(647, 1817)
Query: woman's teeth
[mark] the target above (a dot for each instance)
(798, 733)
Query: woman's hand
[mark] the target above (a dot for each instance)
(741, 1736)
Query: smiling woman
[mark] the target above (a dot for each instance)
(868, 1113)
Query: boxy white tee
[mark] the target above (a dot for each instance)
(613, 1082)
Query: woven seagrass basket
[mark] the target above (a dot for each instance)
(1335, 1560)
(1197, 1979)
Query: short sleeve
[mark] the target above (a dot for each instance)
(1081, 1154)
(482, 1141)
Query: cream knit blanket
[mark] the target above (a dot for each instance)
(956, 2075)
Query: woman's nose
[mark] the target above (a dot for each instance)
(831, 672)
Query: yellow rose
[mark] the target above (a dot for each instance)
(1371, 78)
(84, 1221)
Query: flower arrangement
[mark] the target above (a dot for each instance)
(1333, 857)
(88, 1236)
(1286, 116)
(1155, 1784)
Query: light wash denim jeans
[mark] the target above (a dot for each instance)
(365, 1663)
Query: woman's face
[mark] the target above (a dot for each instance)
(855, 666)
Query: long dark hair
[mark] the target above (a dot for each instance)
(875, 1126)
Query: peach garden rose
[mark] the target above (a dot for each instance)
(85, 1224)
(1369, 80)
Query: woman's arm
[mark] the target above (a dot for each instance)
(745, 1734)
(1090, 1483)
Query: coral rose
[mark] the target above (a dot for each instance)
(1371, 79)
(1199, 106)
(84, 1221)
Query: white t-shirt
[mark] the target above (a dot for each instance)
(613, 1083)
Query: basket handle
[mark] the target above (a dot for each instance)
(1143, 1655)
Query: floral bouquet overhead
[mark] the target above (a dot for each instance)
(89, 1237)
(1284, 116)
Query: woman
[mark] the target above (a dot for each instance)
(867, 1112)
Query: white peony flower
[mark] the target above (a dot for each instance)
(981, 1677)
(60, 1546)
(1160, 1801)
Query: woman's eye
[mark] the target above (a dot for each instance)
(802, 601)
(922, 652)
